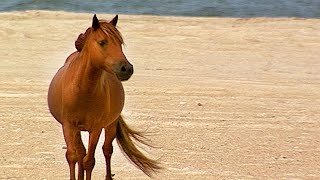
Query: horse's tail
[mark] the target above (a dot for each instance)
(125, 137)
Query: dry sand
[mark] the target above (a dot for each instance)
(223, 98)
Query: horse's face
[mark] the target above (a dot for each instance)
(105, 44)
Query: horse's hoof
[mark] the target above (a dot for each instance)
(111, 178)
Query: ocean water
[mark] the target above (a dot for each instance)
(220, 8)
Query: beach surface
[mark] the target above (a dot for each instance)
(221, 98)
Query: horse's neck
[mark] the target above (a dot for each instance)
(86, 77)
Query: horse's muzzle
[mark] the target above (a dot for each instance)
(123, 71)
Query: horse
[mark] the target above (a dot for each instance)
(86, 94)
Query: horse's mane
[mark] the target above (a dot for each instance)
(79, 43)
(106, 27)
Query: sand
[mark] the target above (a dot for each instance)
(222, 98)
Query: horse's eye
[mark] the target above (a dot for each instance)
(103, 43)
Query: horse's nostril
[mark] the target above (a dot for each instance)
(123, 69)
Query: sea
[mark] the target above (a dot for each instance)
(211, 8)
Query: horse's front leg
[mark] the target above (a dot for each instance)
(110, 133)
(69, 133)
(89, 160)
(81, 152)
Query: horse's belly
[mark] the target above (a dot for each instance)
(96, 115)
(55, 97)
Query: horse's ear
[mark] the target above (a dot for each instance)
(114, 21)
(95, 22)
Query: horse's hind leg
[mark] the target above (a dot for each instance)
(88, 160)
(110, 133)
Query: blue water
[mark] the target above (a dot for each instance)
(221, 8)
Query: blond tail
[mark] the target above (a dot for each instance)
(125, 137)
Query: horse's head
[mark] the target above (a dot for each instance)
(104, 45)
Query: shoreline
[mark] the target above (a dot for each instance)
(71, 13)
(224, 98)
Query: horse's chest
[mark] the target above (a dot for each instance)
(99, 109)
(96, 105)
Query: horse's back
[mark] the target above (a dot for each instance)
(71, 56)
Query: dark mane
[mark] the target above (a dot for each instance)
(79, 43)
(106, 27)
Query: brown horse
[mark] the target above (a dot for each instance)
(86, 94)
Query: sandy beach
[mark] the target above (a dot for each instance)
(221, 98)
